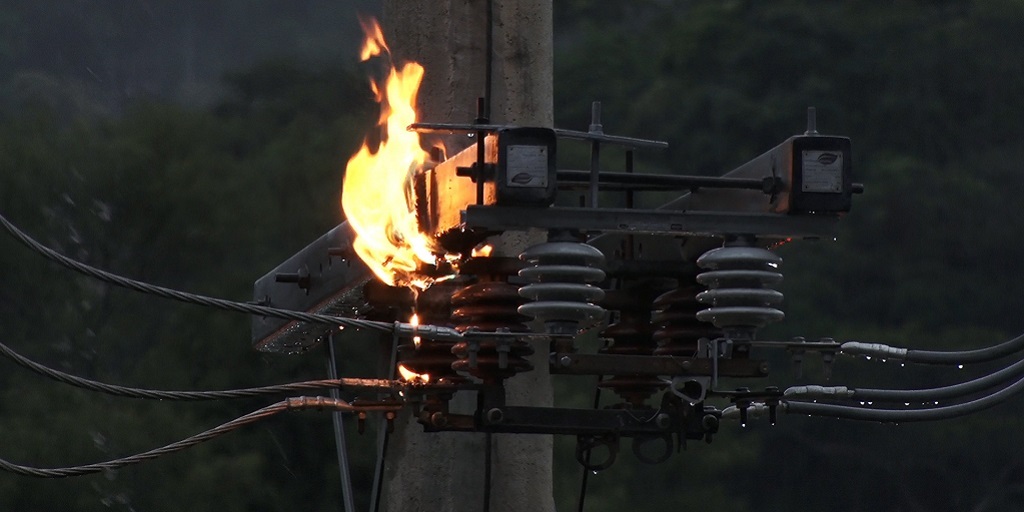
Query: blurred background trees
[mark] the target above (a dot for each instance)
(197, 144)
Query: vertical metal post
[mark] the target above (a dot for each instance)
(488, 454)
(595, 151)
(812, 121)
(383, 436)
(339, 432)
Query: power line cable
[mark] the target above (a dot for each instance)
(908, 395)
(228, 394)
(186, 297)
(980, 355)
(904, 415)
(296, 403)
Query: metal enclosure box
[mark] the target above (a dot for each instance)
(526, 167)
(818, 171)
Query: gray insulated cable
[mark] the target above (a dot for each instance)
(904, 415)
(980, 355)
(907, 395)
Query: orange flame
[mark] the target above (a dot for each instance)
(374, 43)
(482, 251)
(377, 195)
(414, 320)
(411, 376)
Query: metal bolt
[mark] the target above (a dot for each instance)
(340, 252)
(686, 365)
(595, 118)
(495, 415)
(710, 423)
(663, 420)
(764, 368)
(390, 418)
(812, 121)
(439, 419)
(300, 278)
(565, 361)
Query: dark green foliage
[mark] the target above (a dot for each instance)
(209, 197)
(188, 199)
(931, 94)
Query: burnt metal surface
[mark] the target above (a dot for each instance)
(443, 192)
(325, 278)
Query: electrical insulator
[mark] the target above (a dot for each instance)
(677, 331)
(562, 295)
(739, 297)
(490, 305)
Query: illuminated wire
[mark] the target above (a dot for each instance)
(190, 298)
(228, 394)
(252, 417)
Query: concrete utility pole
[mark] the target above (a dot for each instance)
(445, 471)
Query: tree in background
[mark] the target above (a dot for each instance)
(208, 196)
(931, 94)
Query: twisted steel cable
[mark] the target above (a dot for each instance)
(296, 403)
(186, 297)
(228, 394)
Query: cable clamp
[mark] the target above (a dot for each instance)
(430, 332)
(819, 392)
(873, 349)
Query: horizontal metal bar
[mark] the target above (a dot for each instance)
(656, 222)
(554, 420)
(611, 139)
(617, 364)
(665, 181)
(457, 127)
(563, 133)
(807, 346)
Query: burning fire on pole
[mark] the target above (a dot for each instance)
(377, 193)
(675, 294)
(656, 304)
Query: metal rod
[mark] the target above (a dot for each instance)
(629, 171)
(629, 205)
(595, 151)
(586, 457)
(383, 436)
(488, 61)
(339, 432)
(812, 121)
(667, 222)
(660, 181)
(487, 471)
(481, 151)
(618, 140)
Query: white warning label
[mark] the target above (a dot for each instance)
(822, 171)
